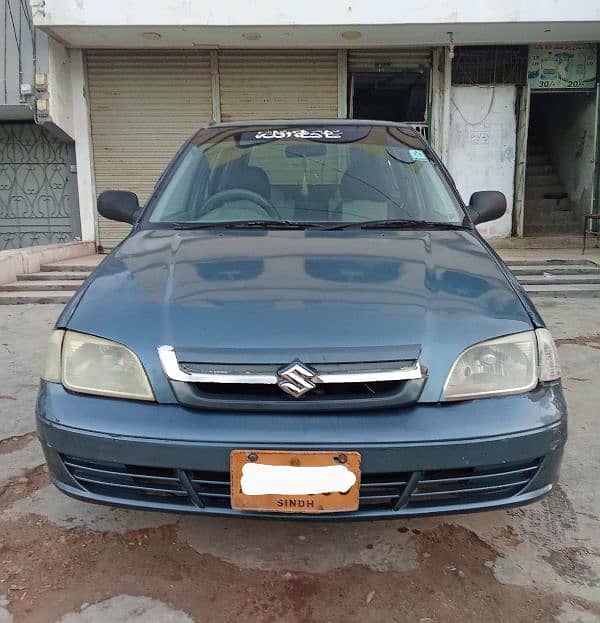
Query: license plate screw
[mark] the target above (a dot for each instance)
(340, 458)
(252, 457)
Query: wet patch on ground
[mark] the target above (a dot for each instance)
(49, 573)
(12, 444)
(570, 563)
(301, 547)
(19, 462)
(580, 340)
(67, 512)
(23, 487)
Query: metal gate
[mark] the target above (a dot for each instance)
(278, 84)
(143, 105)
(37, 188)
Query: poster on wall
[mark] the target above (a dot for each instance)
(562, 66)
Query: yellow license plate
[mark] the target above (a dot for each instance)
(294, 482)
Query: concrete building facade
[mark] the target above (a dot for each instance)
(507, 94)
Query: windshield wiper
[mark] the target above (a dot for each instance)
(256, 224)
(398, 224)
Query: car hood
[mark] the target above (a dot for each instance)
(258, 296)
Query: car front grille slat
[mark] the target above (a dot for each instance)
(478, 477)
(371, 485)
(376, 496)
(122, 481)
(210, 482)
(133, 487)
(204, 490)
(97, 470)
(214, 495)
(468, 489)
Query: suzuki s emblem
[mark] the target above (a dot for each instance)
(296, 379)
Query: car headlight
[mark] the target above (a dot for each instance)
(508, 365)
(92, 365)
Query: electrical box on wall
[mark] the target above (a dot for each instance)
(41, 82)
(41, 107)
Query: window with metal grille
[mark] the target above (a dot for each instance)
(489, 65)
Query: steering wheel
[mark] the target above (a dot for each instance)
(236, 194)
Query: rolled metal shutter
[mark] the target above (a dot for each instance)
(388, 60)
(278, 84)
(143, 106)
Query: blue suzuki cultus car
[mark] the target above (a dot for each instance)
(303, 322)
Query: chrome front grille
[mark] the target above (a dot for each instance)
(194, 490)
(297, 385)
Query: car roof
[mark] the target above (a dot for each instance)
(312, 122)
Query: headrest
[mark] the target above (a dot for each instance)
(250, 178)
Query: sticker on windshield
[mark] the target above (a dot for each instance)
(317, 134)
(417, 154)
(324, 134)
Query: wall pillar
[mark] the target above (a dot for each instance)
(446, 102)
(82, 135)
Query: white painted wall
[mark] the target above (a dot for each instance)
(317, 12)
(69, 115)
(289, 23)
(60, 92)
(82, 134)
(482, 146)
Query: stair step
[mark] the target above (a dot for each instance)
(65, 268)
(554, 264)
(552, 213)
(28, 286)
(541, 179)
(547, 218)
(542, 215)
(559, 229)
(573, 269)
(539, 159)
(542, 205)
(22, 298)
(534, 147)
(52, 276)
(538, 192)
(539, 169)
(571, 290)
(551, 279)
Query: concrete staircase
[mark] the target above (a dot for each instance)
(547, 207)
(55, 282)
(567, 278)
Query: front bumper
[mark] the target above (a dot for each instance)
(422, 460)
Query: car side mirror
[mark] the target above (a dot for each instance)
(486, 205)
(119, 205)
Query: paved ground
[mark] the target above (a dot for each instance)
(62, 560)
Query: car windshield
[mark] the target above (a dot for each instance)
(304, 176)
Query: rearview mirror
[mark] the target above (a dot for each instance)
(486, 205)
(119, 205)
